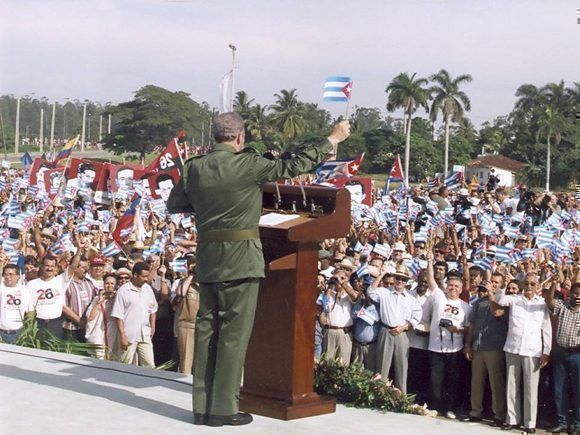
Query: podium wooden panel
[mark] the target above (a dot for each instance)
(279, 369)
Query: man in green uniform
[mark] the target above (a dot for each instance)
(223, 189)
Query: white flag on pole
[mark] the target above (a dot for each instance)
(226, 91)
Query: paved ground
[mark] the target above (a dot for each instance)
(50, 393)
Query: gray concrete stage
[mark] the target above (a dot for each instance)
(51, 393)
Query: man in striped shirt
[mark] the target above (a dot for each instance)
(79, 294)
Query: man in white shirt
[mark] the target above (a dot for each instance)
(527, 348)
(399, 312)
(337, 302)
(134, 309)
(48, 292)
(447, 317)
(14, 304)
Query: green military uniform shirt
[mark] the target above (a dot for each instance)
(223, 189)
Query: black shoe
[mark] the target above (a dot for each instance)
(497, 422)
(557, 429)
(199, 419)
(470, 418)
(238, 419)
(507, 426)
(529, 430)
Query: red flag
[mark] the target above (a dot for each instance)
(396, 173)
(170, 157)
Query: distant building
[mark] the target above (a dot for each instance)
(504, 168)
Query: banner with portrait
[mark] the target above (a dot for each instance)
(360, 188)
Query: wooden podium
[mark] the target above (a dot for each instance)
(279, 369)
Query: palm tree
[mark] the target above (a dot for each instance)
(257, 124)
(448, 99)
(550, 124)
(243, 104)
(407, 93)
(287, 114)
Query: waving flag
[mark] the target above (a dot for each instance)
(337, 89)
(111, 249)
(66, 150)
(169, 158)
(332, 169)
(453, 181)
(179, 265)
(126, 222)
(396, 173)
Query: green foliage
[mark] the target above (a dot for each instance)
(355, 386)
(152, 118)
(32, 337)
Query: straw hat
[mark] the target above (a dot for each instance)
(402, 271)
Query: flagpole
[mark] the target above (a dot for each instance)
(347, 109)
(233, 48)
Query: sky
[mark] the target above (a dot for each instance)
(105, 50)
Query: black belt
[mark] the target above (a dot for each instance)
(360, 343)
(343, 328)
(384, 325)
(10, 332)
(571, 349)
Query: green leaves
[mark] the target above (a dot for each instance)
(354, 385)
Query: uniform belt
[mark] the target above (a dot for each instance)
(228, 235)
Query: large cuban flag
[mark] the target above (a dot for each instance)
(337, 88)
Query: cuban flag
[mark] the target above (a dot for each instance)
(362, 270)
(396, 173)
(179, 265)
(337, 88)
(503, 254)
(545, 239)
(345, 168)
(512, 232)
(9, 244)
(111, 249)
(432, 184)
(453, 181)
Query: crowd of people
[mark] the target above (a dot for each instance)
(457, 293)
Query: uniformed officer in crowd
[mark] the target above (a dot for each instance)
(223, 188)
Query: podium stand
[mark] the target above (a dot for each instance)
(279, 369)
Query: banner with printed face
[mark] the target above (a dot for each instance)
(82, 176)
(160, 184)
(360, 189)
(121, 179)
(103, 193)
(36, 172)
(53, 178)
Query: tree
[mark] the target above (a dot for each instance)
(257, 124)
(154, 116)
(243, 104)
(407, 93)
(450, 101)
(366, 118)
(288, 114)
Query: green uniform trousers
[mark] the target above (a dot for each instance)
(223, 329)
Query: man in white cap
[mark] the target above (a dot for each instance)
(399, 312)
